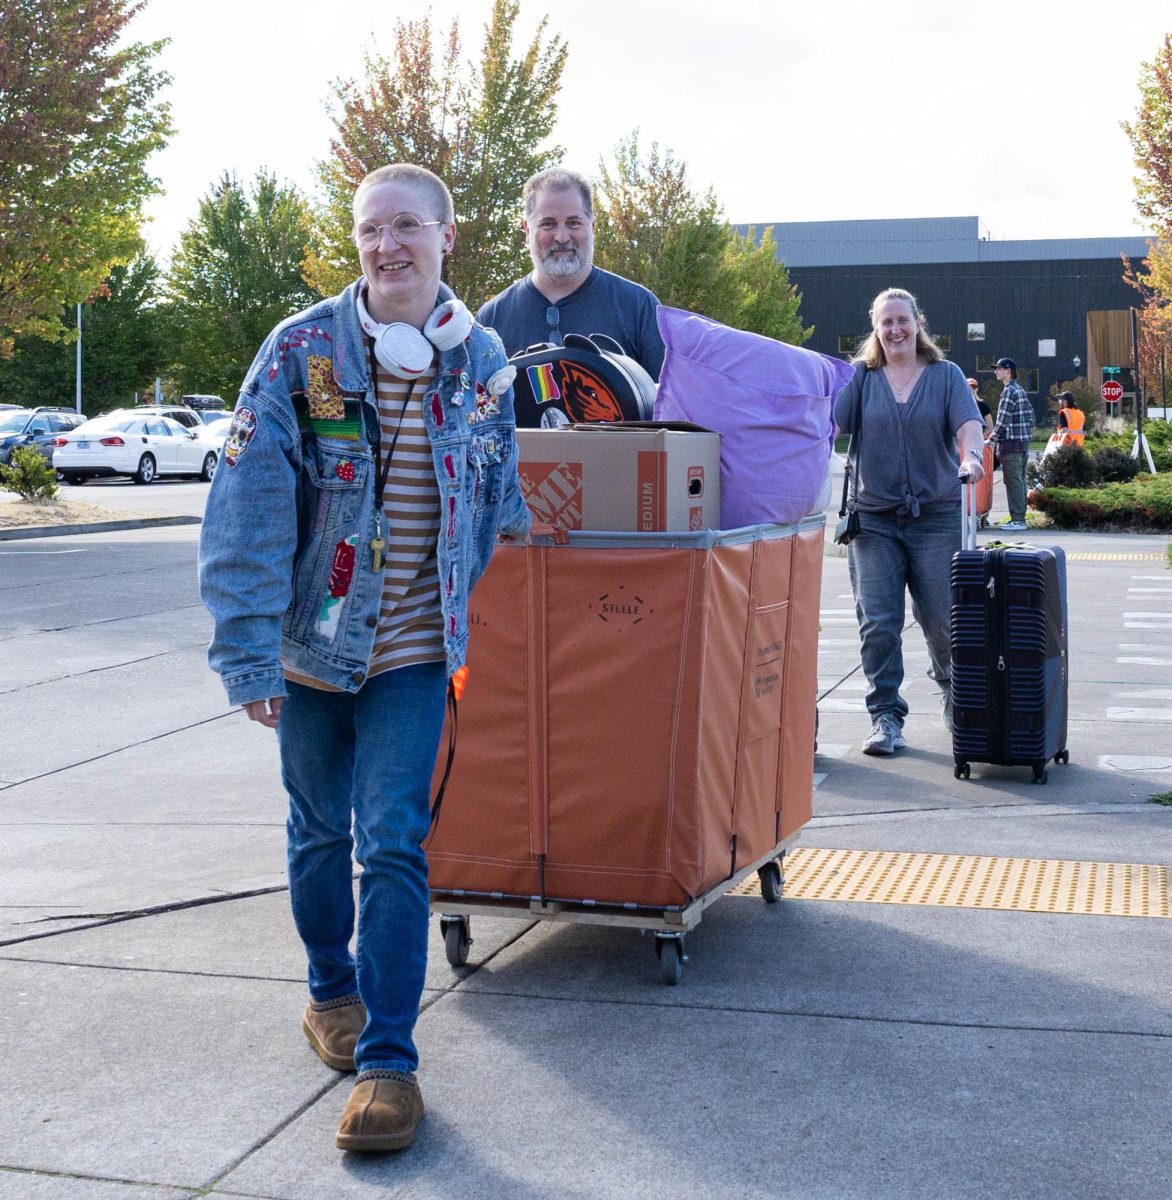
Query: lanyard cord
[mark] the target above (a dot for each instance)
(382, 472)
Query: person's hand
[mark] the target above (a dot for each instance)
(265, 712)
(971, 471)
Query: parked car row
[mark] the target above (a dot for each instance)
(144, 443)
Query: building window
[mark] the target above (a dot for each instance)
(1047, 348)
(986, 362)
(849, 343)
(1028, 378)
(976, 331)
(943, 340)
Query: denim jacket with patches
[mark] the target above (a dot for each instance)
(285, 564)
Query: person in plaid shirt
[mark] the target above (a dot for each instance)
(1011, 435)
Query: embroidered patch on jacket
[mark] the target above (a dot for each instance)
(486, 406)
(325, 399)
(341, 576)
(346, 472)
(295, 339)
(345, 426)
(240, 433)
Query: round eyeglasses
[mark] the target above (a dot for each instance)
(405, 229)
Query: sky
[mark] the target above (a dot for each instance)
(821, 110)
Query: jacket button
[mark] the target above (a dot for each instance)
(371, 622)
(356, 677)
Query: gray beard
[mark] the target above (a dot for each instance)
(558, 266)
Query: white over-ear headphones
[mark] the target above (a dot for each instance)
(403, 350)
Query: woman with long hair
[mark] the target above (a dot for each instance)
(916, 433)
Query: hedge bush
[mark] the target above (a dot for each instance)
(1144, 503)
(29, 475)
(1113, 465)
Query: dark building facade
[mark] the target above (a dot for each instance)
(982, 299)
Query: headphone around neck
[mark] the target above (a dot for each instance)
(405, 352)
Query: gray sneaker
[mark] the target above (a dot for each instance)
(948, 711)
(886, 736)
(1015, 527)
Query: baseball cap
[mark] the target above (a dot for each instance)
(1007, 363)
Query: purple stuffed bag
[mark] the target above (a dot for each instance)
(773, 404)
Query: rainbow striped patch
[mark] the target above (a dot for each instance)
(543, 384)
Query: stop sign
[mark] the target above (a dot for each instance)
(1111, 391)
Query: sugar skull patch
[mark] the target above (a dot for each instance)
(341, 576)
(325, 399)
(240, 433)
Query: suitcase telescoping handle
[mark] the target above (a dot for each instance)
(968, 515)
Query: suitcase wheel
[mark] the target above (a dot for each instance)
(457, 939)
(1040, 773)
(961, 771)
(669, 947)
(1063, 756)
(772, 882)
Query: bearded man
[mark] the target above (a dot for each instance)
(566, 292)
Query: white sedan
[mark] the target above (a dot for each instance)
(143, 447)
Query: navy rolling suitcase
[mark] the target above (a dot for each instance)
(1009, 653)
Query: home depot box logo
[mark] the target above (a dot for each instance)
(553, 492)
(639, 476)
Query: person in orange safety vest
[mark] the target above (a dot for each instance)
(1071, 420)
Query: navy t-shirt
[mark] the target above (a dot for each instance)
(605, 303)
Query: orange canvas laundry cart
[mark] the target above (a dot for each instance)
(637, 731)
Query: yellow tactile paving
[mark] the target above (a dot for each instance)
(1092, 556)
(974, 881)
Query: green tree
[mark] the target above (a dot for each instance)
(79, 117)
(766, 302)
(122, 347)
(479, 126)
(653, 227)
(236, 274)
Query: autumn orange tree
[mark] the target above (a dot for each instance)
(1150, 135)
(481, 126)
(79, 117)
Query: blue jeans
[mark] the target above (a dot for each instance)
(366, 757)
(894, 552)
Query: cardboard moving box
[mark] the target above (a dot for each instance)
(639, 476)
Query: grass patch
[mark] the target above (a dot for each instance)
(1164, 798)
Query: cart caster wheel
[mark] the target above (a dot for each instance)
(670, 951)
(1063, 756)
(457, 939)
(961, 771)
(983, 522)
(772, 881)
(1040, 774)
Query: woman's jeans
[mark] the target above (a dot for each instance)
(367, 756)
(894, 552)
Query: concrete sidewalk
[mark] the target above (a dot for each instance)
(814, 1048)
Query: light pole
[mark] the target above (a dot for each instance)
(78, 402)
